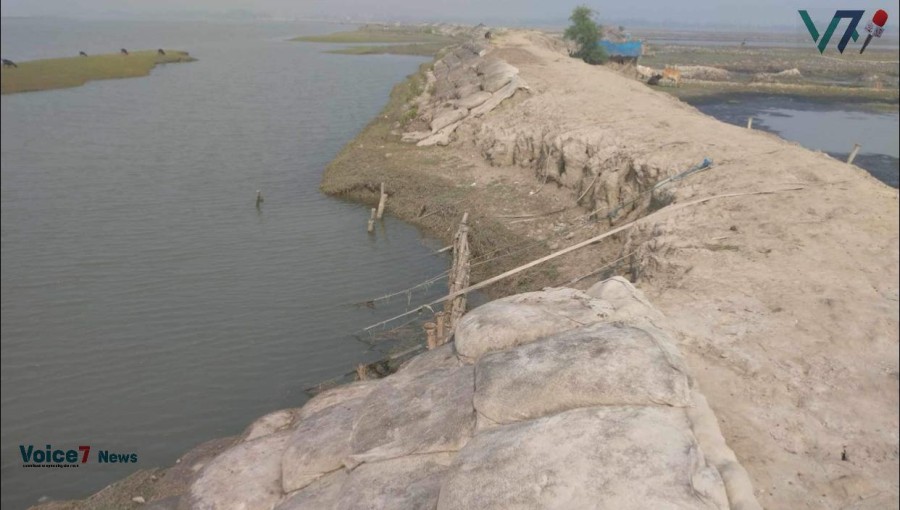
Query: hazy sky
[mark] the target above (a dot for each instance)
(700, 12)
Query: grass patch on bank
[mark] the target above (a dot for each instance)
(420, 49)
(398, 35)
(58, 73)
(829, 67)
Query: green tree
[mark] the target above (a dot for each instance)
(585, 33)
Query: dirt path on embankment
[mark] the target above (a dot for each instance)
(786, 303)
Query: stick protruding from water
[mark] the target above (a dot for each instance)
(853, 153)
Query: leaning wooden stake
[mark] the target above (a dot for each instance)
(459, 276)
(439, 319)
(430, 335)
(371, 227)
(749, 122)
(381, 202)
(853, 153)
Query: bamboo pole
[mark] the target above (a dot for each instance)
(371, 227)
(658, 214)
(749, 122)
(430, 335)
(381, 202)
(645, 219)
(439, 319)
(853, 153)
(459, 275)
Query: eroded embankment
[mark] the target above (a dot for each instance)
(780, 279)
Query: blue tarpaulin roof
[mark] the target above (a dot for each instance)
(622, 49)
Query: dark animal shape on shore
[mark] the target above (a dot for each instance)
(123, 51)
(9, 63)
(82, 54)
(654, 80)
(160, 52)
(487, 35)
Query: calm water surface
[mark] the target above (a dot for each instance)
(829, 127)
(146, 305)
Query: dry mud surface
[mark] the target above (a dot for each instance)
(783, 293)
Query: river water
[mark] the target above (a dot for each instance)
(147, 305)
(830, 127)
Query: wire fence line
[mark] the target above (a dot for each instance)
(527, 244)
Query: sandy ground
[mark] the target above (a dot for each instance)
(785, 303)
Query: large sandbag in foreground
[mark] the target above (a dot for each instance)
(407, 483)
(440, 358)
(615, 458)
(523, 318)
(336, 396)
(318, 444)
(323, 493)
(603, 364)
(627, 300)
(244, 477)
(405, 416)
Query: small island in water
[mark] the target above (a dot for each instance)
(59, 73)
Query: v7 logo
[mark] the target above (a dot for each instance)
(850, 33)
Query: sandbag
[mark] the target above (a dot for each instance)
(628, 302)
(440, 358)
(322, 494)
(736, 479)
(318, 444)
(473, 99)
(524, 318)
(269, 424)
(407, 483)
(336, 395)
(244, 477)
(404, 416)
(617, 458)
(603, 364)
(446, 118)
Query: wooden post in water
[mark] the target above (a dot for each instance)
(371, 227)
(430, 335)
(439, 319)
(459, 275)
(259, 199)
(749, 122)
(853, 153)
(361, 372)
(381, 202)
